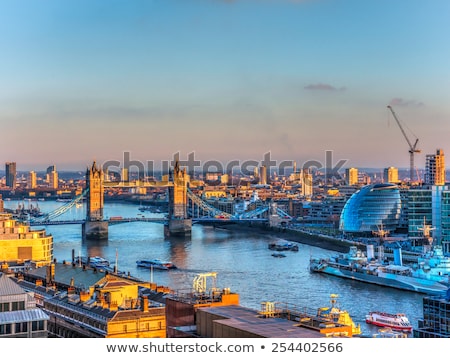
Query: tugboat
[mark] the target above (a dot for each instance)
(397, 321)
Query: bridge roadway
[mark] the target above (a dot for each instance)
(154, 220)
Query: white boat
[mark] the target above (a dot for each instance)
(95, 261)
(156, 264)
(98, 262)
(283, 245)
(397, 321)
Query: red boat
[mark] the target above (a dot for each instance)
(397, 321)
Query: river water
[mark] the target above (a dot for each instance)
(241, 260)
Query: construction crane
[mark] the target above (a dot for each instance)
(412, 147)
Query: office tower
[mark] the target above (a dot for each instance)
(31, 181)
(11, 174)
(263, 175)
(53, 180)
(51, 168)
(125, 175)
(390, 175)
(307, 183)
(435, 168)
(351, 176)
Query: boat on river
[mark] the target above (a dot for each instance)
(357, 266)
(397, 321)
(94, 262)
(283, 245)
(156, 264)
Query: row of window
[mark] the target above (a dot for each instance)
(12, 306)
(21, 327)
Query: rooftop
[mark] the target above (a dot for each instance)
(249, 320)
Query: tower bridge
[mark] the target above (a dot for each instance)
(183, 204)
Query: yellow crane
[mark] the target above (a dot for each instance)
(412, 147)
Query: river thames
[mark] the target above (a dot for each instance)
(241, 260)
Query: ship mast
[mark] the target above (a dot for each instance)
(381, 233)
(426, 234)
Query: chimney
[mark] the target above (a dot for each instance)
(144, 303)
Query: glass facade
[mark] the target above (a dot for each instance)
(419, 211)
(370, 208)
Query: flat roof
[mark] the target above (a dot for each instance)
(249, 320)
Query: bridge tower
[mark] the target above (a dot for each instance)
(178, 224)
(95, 227)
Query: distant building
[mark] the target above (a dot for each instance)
(19, 316)
(370, 208)
(124, 176)
(31, 180)
(11, 175)
(435, 168)
(263, 175)
(53, 180)
(306, 183)
(390, 175)
(351, 176)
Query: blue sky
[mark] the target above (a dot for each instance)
(90, 79)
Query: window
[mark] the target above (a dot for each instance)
(21, 327)
(18, 306)
(5, 328)
(4, 307)
(38, 326)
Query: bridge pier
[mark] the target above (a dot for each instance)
(178, 228)
(94, 230)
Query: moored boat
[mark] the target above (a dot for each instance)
(94, 262)
(397, 321)
(156, 264)
(283, 245)
(357, 266)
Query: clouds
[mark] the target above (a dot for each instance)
(400, 102)
(323, 87)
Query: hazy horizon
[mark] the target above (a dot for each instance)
(229, 80)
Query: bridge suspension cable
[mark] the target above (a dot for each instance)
(205, 206)
(61, 210)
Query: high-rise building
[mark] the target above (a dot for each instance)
(351, 176)
(31, 180)
(263, 175)
(430, 205)
(435, 168)
(51, 168)
(53, 180)
(306, 179)
(125, 175)
(390, 175)
(11, 174)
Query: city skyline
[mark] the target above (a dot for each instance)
(228, 80)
